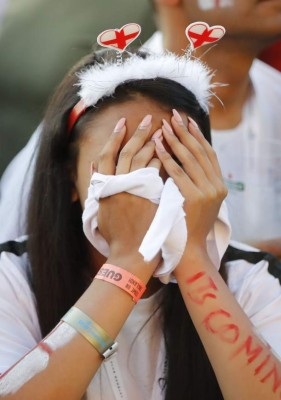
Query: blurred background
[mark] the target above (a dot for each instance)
(39, 41)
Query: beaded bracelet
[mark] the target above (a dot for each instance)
(91, 331)
(123, 279)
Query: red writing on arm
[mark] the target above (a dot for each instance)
(218, 322)
(251, 352)
(195, 277)
(227, 332)
(204, 287)
(262, 364)
(276, 378)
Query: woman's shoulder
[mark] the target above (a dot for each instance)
(19, 322)
(15, 275)
(247, 266)
(14, 265)
(254, 278)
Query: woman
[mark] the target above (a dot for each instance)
(190, 340)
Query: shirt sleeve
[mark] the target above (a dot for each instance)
(19, 326)
(259, 294)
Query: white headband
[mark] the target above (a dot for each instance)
(101, 80)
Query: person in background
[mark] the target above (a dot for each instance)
(246, 130)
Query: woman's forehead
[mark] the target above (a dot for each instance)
(134, 111)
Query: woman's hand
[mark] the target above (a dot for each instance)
(124, 219)
(198, 178)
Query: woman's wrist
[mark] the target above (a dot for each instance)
(195, 254)
(122, 278)
(135, 264)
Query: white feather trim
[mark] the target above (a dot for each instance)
(101, 80)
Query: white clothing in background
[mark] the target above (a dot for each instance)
(14, 190)
(250, 156)
(141, 351)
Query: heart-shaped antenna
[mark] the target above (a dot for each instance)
(119, 39)
(200, 33)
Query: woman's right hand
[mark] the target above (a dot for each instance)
(124, 219)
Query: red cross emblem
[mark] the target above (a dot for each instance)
(200, 33)
(119, 39)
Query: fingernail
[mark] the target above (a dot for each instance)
(157, 134)
(193, 122)
(159, 145)
(167, 127)
(145, 122)
(120, 124)
(177, 117)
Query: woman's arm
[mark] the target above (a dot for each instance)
(66, 369)
(63, 366)
(244, 365)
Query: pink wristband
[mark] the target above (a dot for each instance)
(123, 279)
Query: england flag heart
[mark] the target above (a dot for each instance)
(200, 33)
(119, 39)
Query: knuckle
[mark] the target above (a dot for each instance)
(173, 138)
(222, 190)
(155, 163)
(189, 159)
(140, 134)
(177, 171)
(104, 156)
(212, 153)
(198, 198)
(165, 157)
(212, 193)
(125, 155)
(150, 145)
(138, 161)
(199, 151)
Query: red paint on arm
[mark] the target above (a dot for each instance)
(195, 278)
(211, 316)
(199, 293)
(228, 333)
(263, 364)
(251, 352)
(276, 378)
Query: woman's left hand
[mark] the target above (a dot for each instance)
(227, 335)
(198, 178)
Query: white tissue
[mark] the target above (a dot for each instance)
(167, 232)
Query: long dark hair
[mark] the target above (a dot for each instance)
(58, 251)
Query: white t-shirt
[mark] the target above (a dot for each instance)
(14, 190)
(250, 156)
(140, 356)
